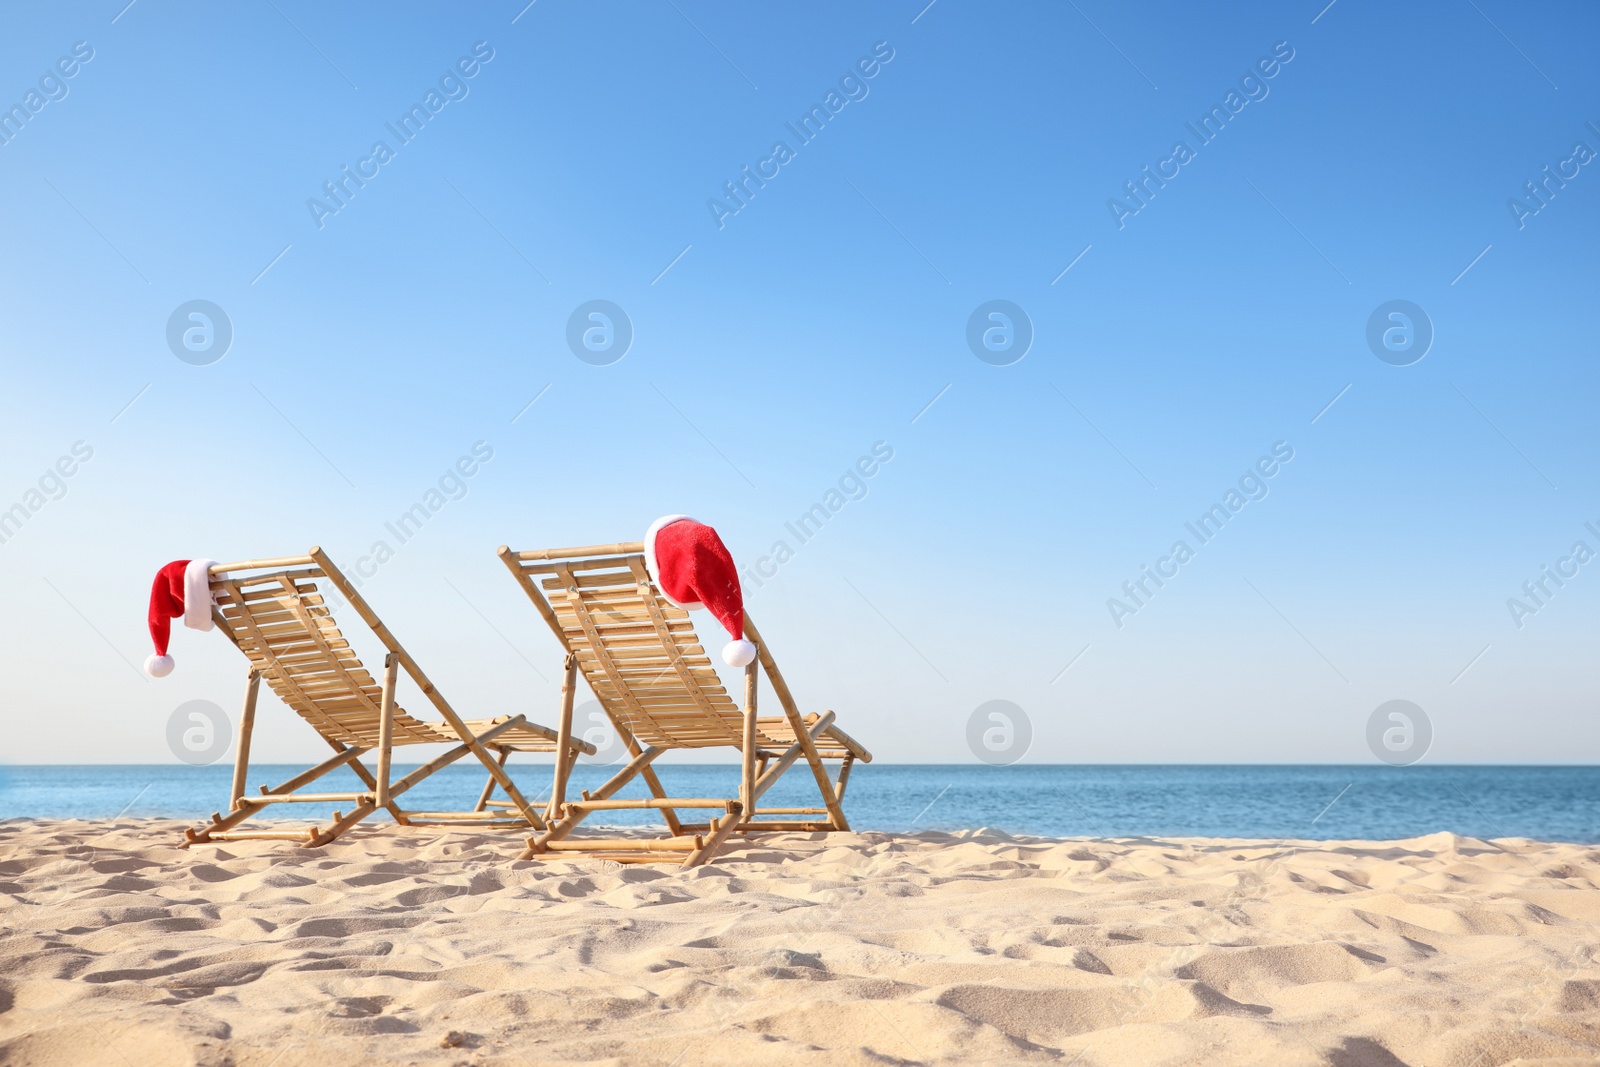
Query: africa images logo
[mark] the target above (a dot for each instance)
(199, 332)
(52, 88)
(1252, 486)
(1253, 88)
(852, 88)
(452, 87)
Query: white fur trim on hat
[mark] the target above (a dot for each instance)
(650, 560)
(196, 597)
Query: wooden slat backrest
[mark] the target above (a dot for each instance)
(279, 618)
(638, 652)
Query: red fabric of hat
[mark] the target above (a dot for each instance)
(182, 589)
(693, 569)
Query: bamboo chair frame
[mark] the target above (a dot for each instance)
(641, 657)
(274, 612)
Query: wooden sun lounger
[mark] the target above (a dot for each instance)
(274, 611)
(647, 668)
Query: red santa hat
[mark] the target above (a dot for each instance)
(693, 569)
(182, 588)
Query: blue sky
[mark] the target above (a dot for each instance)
(975, 164)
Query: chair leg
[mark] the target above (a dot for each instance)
(391, 670)
(844, 775)
(792, 712)
(564, 753)
(341, 822)
(657, 790)
(747, 779)
(247, 726)
(808, 748)
(721, 830)
(740, 816)
(344, 822)
(221, 823)
(368, 780)
(366, 804)
(561, 827)
(488, 787)
(735, 818)
(477, 746)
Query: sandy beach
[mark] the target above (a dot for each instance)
(868, 948)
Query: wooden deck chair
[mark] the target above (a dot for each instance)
(647, 668)
(275, 612)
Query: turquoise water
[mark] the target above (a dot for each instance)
(1548, 803)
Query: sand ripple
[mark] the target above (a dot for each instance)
(434, 947)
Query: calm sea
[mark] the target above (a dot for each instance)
(1547, 803)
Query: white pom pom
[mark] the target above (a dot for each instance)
(158, 666)
(738, 653)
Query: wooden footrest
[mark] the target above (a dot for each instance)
(303, 798)
(462, 816)
(260, 835)
(654, 802)
(666, 844)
